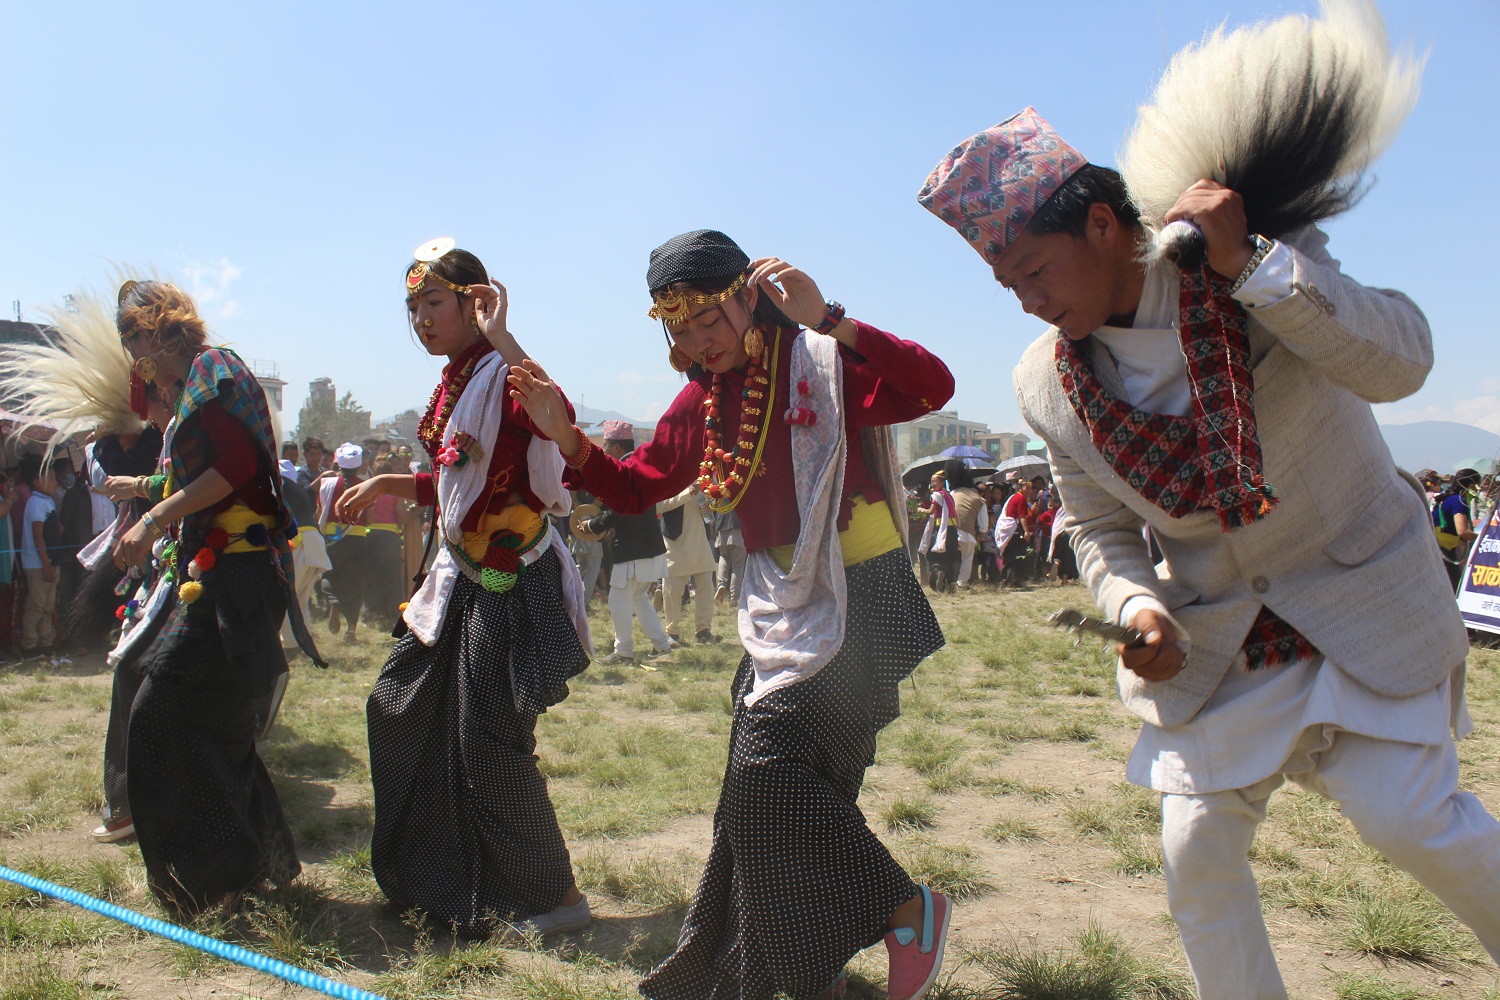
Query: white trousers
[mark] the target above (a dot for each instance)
(1403, 800)
(309, 561)
(703, 601)
(966, 568)
(629, 597)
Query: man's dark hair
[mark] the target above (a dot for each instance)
(313, 442)
(1067, 211)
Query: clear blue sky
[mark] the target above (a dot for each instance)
(283, 159)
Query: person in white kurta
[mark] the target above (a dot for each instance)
(1364, 711)
(689, 558)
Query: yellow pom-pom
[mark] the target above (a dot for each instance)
(190, 591)
(402, 606)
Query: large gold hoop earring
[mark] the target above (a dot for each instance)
(145, 368)
(680, 362)
(755, 344)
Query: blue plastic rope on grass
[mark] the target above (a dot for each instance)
(172, 932)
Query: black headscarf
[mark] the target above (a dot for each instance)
(704, 253)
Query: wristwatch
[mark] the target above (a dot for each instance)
(1262, 246)
(831, 319)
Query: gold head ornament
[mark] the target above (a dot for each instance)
(673, 306)
(420, 271)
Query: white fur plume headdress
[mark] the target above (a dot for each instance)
(1288, 113)
(77, 378)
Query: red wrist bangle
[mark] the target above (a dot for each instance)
(585, 446)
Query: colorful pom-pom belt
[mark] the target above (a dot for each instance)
(504, 560)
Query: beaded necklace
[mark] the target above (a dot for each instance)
(430, 428)
(724, 492)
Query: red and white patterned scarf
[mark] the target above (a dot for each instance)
(1208, 460)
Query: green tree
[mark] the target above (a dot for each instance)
(334, 422)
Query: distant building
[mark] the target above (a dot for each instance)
(321, 390)
(932, 432)
(268, 374)
(1005, 444)
(401, 428)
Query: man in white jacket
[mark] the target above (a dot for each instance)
(1288, 633)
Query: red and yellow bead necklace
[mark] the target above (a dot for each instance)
(723, 475)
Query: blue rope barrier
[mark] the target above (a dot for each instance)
(172, 932)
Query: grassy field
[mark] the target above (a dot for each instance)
(1002, 784)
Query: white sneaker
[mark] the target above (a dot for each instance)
(114, 831)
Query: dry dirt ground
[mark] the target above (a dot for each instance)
(1002, 783)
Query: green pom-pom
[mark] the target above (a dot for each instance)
(497, 582)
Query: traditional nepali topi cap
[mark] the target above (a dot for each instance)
(349, 456)
(618, 430)
(991, 185)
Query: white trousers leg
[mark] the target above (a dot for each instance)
(622, 601)
(966, 568)
(1211, 891)
(650, 621)
(1403, 800)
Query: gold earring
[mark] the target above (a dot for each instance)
(146, 368)
(680, 362)
(754, 344)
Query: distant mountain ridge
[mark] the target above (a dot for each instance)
(1444, 445)
(591, 416)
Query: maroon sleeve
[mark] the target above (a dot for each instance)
(426, 489)
(888, 380)
(659, 469)
(234, 451)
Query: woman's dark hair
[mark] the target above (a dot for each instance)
(1464, 479)
(1067, 211)
(957, 474)
(459, 267)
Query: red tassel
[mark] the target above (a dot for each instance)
(138, 396)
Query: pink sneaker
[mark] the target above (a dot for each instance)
(916, 958)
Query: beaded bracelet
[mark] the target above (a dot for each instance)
(1263, 246)
(585, 446)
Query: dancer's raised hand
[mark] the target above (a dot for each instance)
(491, 307)
(792, 291)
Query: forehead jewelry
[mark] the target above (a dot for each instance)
(420, 271)
(673, 306)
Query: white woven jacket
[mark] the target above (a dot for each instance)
(1347, 557)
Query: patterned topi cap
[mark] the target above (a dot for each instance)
(990, 186)
(618, 430)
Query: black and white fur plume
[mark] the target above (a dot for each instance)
(1289, 113)
(77, 379)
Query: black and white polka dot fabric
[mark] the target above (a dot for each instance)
(464, 828)
(796, 882)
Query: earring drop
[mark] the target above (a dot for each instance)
(679, 361)
(145, 368)
(754, 344)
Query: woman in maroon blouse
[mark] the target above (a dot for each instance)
(464, 828)
(788, 428)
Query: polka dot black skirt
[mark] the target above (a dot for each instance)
(206, 814)
(464, 828)
(796, 882)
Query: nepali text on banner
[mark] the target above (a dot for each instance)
(1479, 594)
